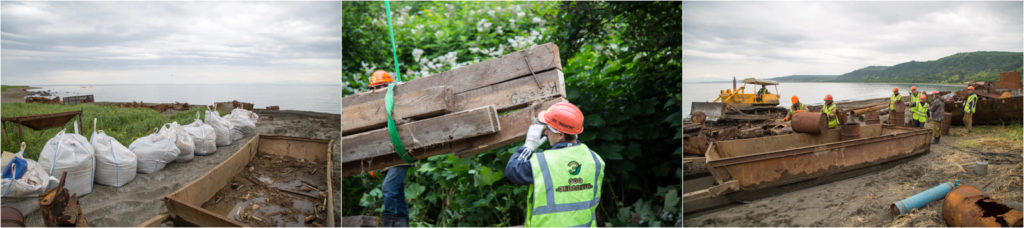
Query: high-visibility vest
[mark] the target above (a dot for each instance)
(914, 98)
(920, 112)
(792, 112)
(566, 187)
(893, 100)
(833, 120)
(971, 104)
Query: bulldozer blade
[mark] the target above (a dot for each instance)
(713, 110)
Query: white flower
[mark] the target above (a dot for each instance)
(483, 25)
(416, 53)
(474, 50)
(520, 15)
(490, 12)
(500, 30)
(537, 20)
(438, 33)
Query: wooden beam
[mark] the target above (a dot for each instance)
(360, 221)
(542, 58)
(713, 191)
(513, 129)
(512, 94)
(423, 133)
(427, 102)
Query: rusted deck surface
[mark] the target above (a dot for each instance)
(775, 160)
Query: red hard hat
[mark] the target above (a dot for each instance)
(923, 96)
(895, 89)
(913, 88)
(828, 97)
(935, 92)
(380, 77)
(970, 87)
(563, 117)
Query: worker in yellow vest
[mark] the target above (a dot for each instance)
(914, 96)
(831, 112)
(566, 179)
(795, 108)
(969, 106)
(396, 210)
(895, 98)
(920, 111)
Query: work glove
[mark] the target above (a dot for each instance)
(535, 136)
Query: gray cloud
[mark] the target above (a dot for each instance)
(767, 39)
(170, 42)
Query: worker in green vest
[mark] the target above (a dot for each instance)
(914, 96)
(896, 98)
(566, 179)
(920, 110)
(396, 211)
(830, 111)
(969, 105)
(795, 108)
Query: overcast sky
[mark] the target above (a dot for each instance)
(770, 39)
(170, 42)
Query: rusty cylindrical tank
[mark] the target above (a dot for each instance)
(871, 118)
(967, 206)
(11, 217)
(698, 117)
(947, 119)
(849, 131)
(896, 118)
(809, 122)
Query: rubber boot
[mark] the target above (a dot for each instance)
(394, 221)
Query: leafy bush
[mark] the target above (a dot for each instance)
(622, 65)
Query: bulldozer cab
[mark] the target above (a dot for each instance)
(760, 96)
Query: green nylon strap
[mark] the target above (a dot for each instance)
(394, 48)
(396, 141)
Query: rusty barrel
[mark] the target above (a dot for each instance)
(809, 122)
(698, 117)
(947, 119)
(11, 217)
(899, 107)
(849, 131)
(871, 118)
(967, 206)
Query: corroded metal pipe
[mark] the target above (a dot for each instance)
(967, 206)
(809, 122)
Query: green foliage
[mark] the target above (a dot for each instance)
(622, 65)
(4, 88)
(961, 67)
(123, 124)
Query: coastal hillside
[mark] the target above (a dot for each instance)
(961, 67)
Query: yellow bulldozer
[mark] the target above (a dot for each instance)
(737, 100)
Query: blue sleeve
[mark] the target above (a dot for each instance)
(518, 169)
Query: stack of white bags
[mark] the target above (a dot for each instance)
(115, 164)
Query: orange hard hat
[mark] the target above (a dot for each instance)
(828, 97)
(895, 89)
(913, 88)
(935, 92)
(795, 99)
(970, 87)
(380, 77)
(923, 96)
(563, 117)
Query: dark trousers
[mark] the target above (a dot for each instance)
(394, 192)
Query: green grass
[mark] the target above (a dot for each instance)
(3, 88)
(124, 124)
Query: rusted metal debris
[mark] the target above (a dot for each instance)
(273, 107)
(967, 206)
(11, 217)
(698, 137)
(40, 122)
(44, 100)
(810, 122)
(999, 102)
(947, 120)
(849, 131)
(58, 208)
(82, 99)
(228, 106)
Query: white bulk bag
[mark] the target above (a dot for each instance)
(203, 136)
(115, 164)
(243, 123)
(186, 147)
(221, 127)
(71, 153)
(32, 183)
(154, 151)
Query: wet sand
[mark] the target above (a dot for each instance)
(142, 198)
(864, 200)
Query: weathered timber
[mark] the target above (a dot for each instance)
(427, 132)
(512, 94)
(513, 129)
(427, 102)
(360, 221)
(542, 58)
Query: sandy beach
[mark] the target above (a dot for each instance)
(142, 198)
(15, 95)
(864, 200)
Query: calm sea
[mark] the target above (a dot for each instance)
(317, 98)
(810, 93)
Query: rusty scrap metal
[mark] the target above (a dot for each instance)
(967, 206)
(809, 122)
(698, 117)
(58, 208)
(11, 217)
(82, 99)
(525, 58)
(273, 107)
(947, 119)
(44, 100)
(1009, 80)
(849, 131)
(872, 118)
(40, 122)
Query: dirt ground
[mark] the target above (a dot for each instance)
(15, 95)
(864, 200)
(142, 198)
